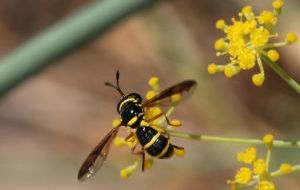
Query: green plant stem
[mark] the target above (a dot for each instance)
(217, 139)
(64, 37)
(282, 73)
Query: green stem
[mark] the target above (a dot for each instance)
(217, 139)
(64, 37)
(282, 73)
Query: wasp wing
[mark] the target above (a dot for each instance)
(96, 158)
(185, 88)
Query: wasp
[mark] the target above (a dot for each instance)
(132, 111)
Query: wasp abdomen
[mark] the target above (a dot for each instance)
(154, 143)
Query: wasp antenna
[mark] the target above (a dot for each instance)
(118, 84)
(116, 87)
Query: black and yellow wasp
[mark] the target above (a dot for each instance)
(132, 112)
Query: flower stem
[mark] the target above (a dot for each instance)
(282, 73)
(218, 139)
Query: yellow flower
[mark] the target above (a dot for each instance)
(248, 156)
(259, 166)
(247, 38)
(126, 172)
(243, 175)
(266, 185)
(273, 55)
(119, 142)
(150, 94)
(175, 123)
(285, 168)
(154, 84)
(291, 37)
(258, 79)
(268, 140)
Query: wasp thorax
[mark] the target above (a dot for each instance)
(130, 110)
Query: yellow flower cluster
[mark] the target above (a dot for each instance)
(131, 141)
(258, 174)
(247, 39)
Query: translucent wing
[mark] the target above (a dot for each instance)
(96, 158)
(185, 88)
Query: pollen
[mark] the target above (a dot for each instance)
(259, 166)
(266, 185)
(273, 55)
(258, 79)
(285, 168)
(150, 94)
(243, 175)
(126, 172)
(179, 152)
(116, 122)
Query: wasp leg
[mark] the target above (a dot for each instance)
(129, 136)
(142, 153)
(169, 123)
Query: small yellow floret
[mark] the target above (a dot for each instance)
(243, 175)
(231, 70)
(266, 185)
(150, 94)
(148, 163)
(291, 37)
(116, 122)
(175, 123)
(277, 4)
(258, 79)
(286, 168)
(247, 10)
(179, 152)
(248, 156)
(126, 172)
(220, 44)
(259, 166)
(268, 140)
(220, 24)
(119, 141)
(273, 55)
(153, 81)
(267, 17)
(175, 98)
(152, 112)
(212, 68)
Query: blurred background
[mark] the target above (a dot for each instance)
(50, 123)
